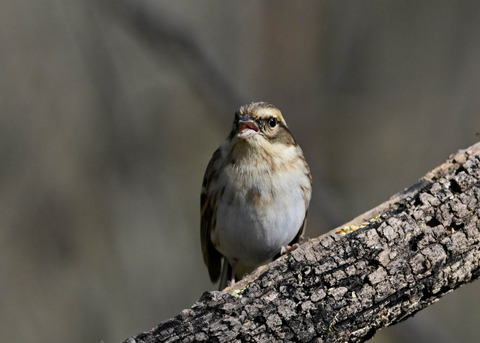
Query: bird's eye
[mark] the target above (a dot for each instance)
(272, 122)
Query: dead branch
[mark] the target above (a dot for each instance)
(374, 271)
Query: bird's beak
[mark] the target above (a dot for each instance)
(246, 127)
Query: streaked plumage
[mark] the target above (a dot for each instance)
(255, 193)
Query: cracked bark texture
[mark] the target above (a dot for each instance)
(401, 256)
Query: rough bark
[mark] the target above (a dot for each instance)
(374, 271)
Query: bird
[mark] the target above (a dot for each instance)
(255, 195)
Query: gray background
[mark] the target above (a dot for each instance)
(110, 111)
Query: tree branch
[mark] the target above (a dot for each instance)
(375, 271)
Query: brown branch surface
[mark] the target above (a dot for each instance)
(403, 256)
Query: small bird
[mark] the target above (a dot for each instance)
(255, 194)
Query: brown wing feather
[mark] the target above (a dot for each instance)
(307, 194)
(211, 257)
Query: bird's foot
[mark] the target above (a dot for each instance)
(288, 248)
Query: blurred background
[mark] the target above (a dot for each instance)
(111, 110)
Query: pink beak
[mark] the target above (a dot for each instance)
(246, 127)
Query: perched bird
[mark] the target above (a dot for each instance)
(255, 194)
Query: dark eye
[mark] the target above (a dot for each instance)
(272, 122)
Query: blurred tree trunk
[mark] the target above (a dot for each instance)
(166, 36)
(375, 271)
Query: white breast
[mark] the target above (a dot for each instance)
(259, 212)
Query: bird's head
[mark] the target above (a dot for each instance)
(260, 121)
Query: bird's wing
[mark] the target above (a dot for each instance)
(307, 194)
(211, 257)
